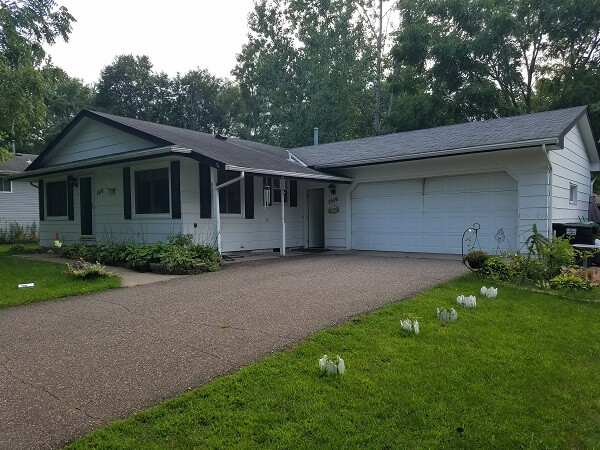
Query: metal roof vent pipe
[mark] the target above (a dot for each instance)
(315, 136)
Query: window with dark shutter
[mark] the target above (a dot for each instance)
(56, 199)
(152, 194)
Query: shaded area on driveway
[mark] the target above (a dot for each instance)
(75, 364)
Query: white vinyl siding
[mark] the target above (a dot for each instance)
(20, 205)
(570, 175)
(91, 139)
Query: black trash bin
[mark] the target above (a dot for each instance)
(577, 233)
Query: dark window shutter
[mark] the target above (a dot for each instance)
(70, 206)
(249, 196)
(175, 190)
(205, 192)
(126, 193)
(41, 198)
(293, 193)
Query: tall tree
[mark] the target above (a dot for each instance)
(129, 87)
(476, 60)
(306, 64)
(25, 27)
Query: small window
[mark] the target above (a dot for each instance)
(273, 184)
(152, 194)
(5, 185)
(230, 197)
(56, 199)
(573, 194)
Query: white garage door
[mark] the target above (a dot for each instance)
(430, 215)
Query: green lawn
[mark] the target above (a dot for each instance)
(520, 370)
(48, 278)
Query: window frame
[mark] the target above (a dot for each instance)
(242, 186)
(573, 189)
(273, 189)
(144, 168)
(3, 180)
(47, 216)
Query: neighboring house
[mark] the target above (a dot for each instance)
(18, 199)
(111, 178)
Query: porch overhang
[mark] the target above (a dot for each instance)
(286, 174)
(137, 155)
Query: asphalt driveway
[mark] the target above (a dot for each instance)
(71, 365)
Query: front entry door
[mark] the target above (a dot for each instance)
(316, 218)
(86, 205)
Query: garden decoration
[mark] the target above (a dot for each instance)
(410, 326)
(333, 366)
(490, 292)
(467, 302)
(446, 316)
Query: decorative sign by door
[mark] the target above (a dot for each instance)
(333, 205)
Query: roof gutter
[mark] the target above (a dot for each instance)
(280, 173)
(153, 152)
(441, 153)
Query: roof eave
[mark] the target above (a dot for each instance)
(105, 161)
(288, 174)
(440, 154)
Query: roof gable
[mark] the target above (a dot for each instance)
(87, 138)
(510, 132)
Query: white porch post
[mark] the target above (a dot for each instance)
(349, 214)
(215, 206)
(282, 187)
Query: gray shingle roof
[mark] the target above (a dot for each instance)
(493, 134)
(18, 163)
(236, 152)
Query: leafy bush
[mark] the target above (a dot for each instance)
(178, 259)
(476, 259)
(19, 234)
(86, 270)
(570, 282)
(498, 269)
(209, 256)
(180, 255)
(17, 248)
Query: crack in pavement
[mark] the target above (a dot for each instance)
(46, 390)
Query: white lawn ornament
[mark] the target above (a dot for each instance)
(467, 302)
(490, 292)
(332, 367)
(410, 326)
(446, 316)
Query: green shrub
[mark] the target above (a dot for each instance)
(178, 259)
(476, 259)
(570, 282)
(16, 249)
(498, 269)
(181, 240)
(209, 256)
(86, 270)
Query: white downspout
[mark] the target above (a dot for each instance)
(282, 187)
(548, 193)
(216, 208)
(349, 214)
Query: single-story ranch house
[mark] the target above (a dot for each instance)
(112, 178)
(18, 199)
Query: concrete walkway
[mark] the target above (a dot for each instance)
(71, 365)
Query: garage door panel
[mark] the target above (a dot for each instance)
(431, 215)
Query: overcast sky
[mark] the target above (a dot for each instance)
(177, 35)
